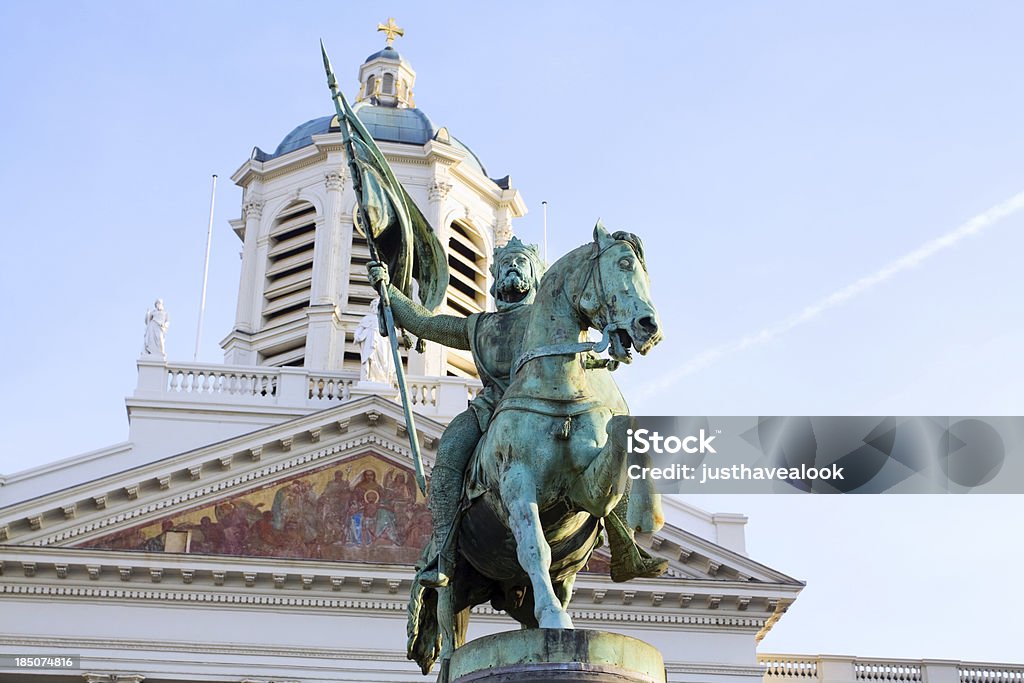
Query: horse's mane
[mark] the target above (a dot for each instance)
(554, 276)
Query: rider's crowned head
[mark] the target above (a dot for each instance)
(516, 269)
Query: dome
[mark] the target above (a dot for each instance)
(386, 124)
(387, 53)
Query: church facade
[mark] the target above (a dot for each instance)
(261, 521)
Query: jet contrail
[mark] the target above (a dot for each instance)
(840, 296)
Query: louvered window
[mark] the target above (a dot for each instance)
(289, 266)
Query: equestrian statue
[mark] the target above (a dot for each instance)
(530, 477)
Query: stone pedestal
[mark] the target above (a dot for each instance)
(536, 655)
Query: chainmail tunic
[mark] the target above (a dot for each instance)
(496, 340)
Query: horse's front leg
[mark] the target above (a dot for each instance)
(604, 482)
(519, 495)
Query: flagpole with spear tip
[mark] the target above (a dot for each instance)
(344, 112)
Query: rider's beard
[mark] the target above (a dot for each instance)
(513, 287)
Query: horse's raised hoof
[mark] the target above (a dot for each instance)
(555, 618)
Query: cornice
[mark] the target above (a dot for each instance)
(290, 166)
(48, 468)
(91, 574)
(706, 558)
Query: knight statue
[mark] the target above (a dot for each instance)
(495, 340)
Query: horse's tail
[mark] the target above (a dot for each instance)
(424, 643)
(424, 629)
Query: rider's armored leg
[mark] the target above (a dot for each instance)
(629, 560)
(456, 447)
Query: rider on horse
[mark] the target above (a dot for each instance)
(495, 340)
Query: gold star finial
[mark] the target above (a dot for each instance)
(391, 30)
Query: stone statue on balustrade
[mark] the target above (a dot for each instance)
(157, 322)
(376, 364)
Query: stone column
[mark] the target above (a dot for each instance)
(238, 348)
(326, 255)
(244, 321)
(324, 321)
(430, 363)
(503, 226)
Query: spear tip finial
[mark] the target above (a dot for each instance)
(331, 81)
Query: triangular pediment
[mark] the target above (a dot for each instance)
(360, 507)
(360, 448)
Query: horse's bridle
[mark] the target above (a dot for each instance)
(573, 348)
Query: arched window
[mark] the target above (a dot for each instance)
(467, 286)
(289, 277)
(467, 267)
(370, 83)
(389, 84)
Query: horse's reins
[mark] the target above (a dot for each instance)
(574, 348)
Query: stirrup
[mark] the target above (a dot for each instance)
(431, 575)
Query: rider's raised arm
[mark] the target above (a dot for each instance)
(449, 330)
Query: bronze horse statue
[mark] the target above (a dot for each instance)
(552, 464)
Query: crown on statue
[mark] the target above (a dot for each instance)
(516, 246)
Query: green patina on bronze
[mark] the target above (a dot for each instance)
(532, 474)
(552, 654)
(545, 456)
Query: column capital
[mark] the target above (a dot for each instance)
(335, 180)
(252, 209)
(438, 190)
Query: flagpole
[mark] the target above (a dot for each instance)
(206, 268)
(343, 111)
(545, 205)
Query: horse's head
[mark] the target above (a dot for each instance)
(616, 294)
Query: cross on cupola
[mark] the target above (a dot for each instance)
(385, 78)
(391, 30)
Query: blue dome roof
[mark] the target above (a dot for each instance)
(388, 53)
(301, 136)
(388, 124)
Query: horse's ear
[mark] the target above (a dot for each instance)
(601, 233)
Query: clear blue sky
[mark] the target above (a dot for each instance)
(770, 154)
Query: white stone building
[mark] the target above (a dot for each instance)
(229, 538)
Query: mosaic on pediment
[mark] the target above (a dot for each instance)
(361, 509)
